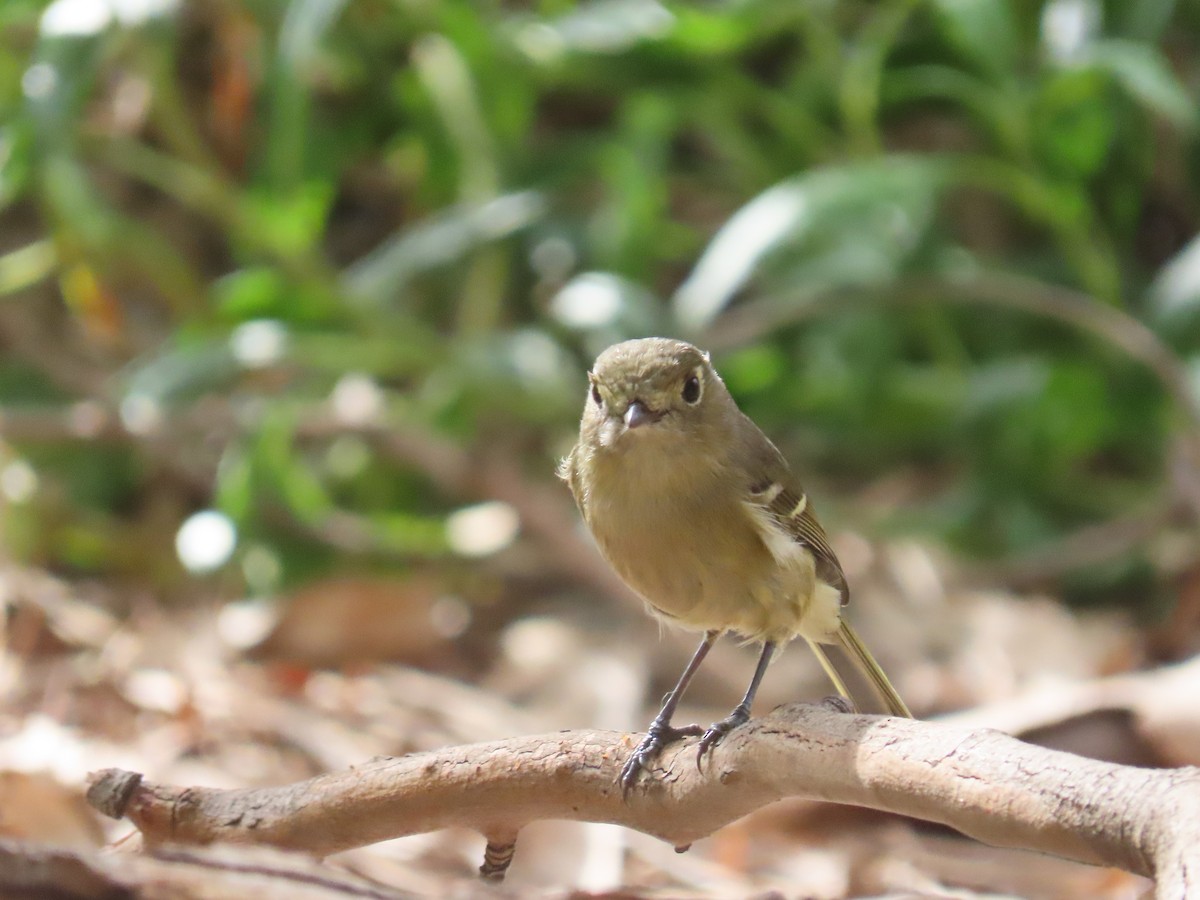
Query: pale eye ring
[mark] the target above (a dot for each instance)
(691, 390)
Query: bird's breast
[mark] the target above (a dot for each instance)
(699, 559)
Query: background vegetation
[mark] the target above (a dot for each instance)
(296, 302)
(242, 238)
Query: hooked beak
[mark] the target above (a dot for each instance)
(637, 415)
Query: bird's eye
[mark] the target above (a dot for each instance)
(691, 390)
(596, 398)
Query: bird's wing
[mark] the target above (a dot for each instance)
(777, 493)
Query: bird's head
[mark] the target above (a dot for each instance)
(652, 390)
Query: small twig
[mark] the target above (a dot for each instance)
(983, 783)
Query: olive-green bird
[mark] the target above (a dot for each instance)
(699, 513)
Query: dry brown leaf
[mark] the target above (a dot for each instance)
(36, 807)
(344, 621)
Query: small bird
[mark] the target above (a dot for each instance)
(698, 512)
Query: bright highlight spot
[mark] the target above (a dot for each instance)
(483, 529)
(141, 414)
(537, 642)
(540, 42)
(43, 745)
(156, 689)
(39, 81)
(1178, 282)
(83, 18)
(18, 481)
(588, 301)
(1068, 26)
(76, 18)
(259, 343)
(205, 541)
(356, 399)
(536, 359)
(244, 624)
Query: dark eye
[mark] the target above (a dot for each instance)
(691, 390)
(596, 395)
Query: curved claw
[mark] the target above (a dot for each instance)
(657, 737)
(838, 704)
(717, 730)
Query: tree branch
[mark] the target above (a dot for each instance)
(983, 783)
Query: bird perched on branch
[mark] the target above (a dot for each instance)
(699, 513)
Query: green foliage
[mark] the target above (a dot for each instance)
(263, 233)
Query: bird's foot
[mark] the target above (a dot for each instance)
(717, 730)
(657, 737)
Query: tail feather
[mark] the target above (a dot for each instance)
(865, 666)
(830, 670)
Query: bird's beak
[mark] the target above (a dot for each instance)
(636, 415)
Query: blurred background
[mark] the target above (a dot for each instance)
(296, 305)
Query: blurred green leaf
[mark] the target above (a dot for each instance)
(276, 456)
(1144, 20)
(856, 223)
(408, 348)
(15, 157)
(289, 223)
(409, 534)
(1144, 73)
(707, 32)
(252, 293)
(493, 378)
(234, 493)
(1073, 122)
(19, 269)
(304, 27)
(753, 369)
(384, 273)
(982, 31)
(449, 82)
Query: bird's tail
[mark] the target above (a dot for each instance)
(850, 649)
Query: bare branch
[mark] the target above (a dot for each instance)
(983, 783)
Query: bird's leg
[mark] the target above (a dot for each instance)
(661, 732)
(741, 712)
